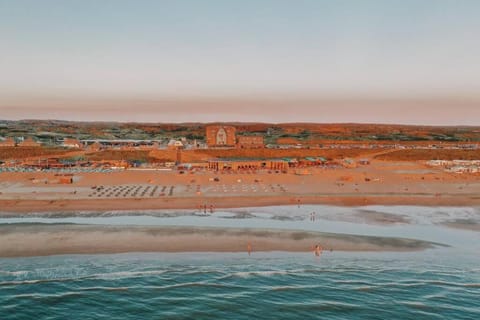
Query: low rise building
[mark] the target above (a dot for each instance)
(464, 169)
(175, 144)
(250, 142)
(272, 164)
(72, 143)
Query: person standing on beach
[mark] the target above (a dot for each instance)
(318, 250)
(249, 248)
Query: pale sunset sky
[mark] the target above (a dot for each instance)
(375, 61)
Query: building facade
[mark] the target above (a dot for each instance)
(220, 136)
(250, 142)
(175, 144)
(72, 143)
(238, 165)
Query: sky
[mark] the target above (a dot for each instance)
(375, 61)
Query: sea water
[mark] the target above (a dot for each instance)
(237, 286)
(441, 283)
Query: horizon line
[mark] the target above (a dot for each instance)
(240, 123)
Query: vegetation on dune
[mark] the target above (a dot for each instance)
(27, 152)
(127, 155)
(302, 131)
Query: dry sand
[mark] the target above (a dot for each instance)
(381, 183)
(40, 240)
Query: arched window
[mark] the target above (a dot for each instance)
(221, 137)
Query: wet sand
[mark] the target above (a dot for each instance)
(67, 206)
(22, 240)
(380, 218)
(464, 224)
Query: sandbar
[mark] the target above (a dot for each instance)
(23, 240)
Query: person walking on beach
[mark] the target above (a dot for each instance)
(318, 250)
(249, 248)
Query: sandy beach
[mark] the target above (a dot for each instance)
(134, 192)
(39, 240)
(382, 183)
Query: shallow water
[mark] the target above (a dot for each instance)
(442, 283)
(425, 222)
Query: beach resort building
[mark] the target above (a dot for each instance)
(235, 165)
(250, 142)
(220, 136)
(463, 169)
(175, 144)
(72, 143)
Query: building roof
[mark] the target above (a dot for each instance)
(175, 143)
(244, 159)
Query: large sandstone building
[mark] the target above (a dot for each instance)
(221, 136)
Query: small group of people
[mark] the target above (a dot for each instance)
(206, 209)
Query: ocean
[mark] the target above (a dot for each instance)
(441, 283)
(234, 286)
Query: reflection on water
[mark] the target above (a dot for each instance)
(424, 221)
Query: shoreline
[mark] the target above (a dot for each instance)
(27, 240)
(11, 207)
